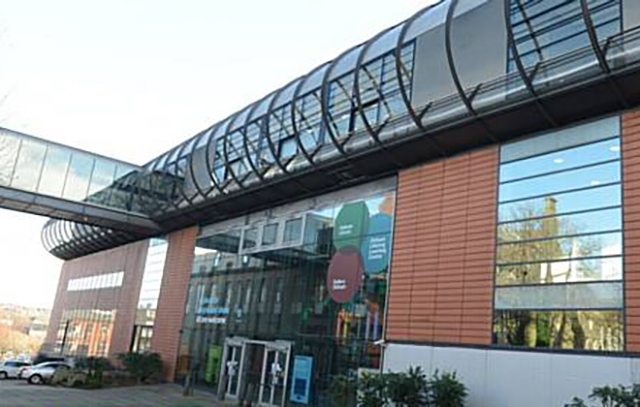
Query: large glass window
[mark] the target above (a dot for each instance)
(313, 274)
(269, 234)
(150, 292)
(96, 282)
(292, 230)
(559, 260)
(85, 332)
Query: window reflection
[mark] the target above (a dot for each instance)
(270, 234)
(249, 238)
(599, 296)
(27, 170)
(101, 179)
(559, 268)
(149, 294)
(544, 272)
(589, 330)
(292, 230)
(85, 332)
(608, 244)
(284, 289)
(562, 160)
(553, 226)
(564, 202)
(76, 185)
(598, 175)
(9, 147)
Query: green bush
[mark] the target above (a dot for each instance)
(143, 366)
(609, 396)
(372, 390)
(342, 391)
(445, 391)
(406, 389)
(94, 367)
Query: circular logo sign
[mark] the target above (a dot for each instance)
(351, 223)
(345, 274)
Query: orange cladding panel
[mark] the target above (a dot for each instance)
(631, 199)
(444, 247)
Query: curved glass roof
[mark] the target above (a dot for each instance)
(457, 61)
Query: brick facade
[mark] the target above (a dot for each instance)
(173, 295)
(130, 259)
(444, 248)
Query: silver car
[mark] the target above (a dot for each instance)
(9, 369)
(41, 373)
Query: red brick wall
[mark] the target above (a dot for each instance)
(444, 247)
(631, 199)
(130, 259)
(173, 296)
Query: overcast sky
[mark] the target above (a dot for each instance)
(131, 78)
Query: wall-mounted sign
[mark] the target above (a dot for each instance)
(211, 320)
(376, 246)
(301, 380)
(350, 225)
(210, 306)
(210, 313)
(345, 274)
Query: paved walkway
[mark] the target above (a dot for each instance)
(15, 393)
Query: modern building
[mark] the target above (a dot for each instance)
(461, 193)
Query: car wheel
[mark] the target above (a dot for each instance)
(4, 376)
(35, 379)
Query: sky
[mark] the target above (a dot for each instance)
(130, 79)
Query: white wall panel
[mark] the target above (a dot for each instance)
(499, 378)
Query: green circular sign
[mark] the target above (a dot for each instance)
(350, 225)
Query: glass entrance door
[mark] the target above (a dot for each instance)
(233, 369)
(275, 369)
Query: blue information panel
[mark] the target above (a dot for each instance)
(301, 381)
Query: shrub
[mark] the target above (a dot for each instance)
(142, 366)
(94, 367)
(372, 390)
(341, 391)
(609, 396)
(407, 389)
(445, 391)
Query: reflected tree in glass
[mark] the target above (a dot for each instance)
(544, 329)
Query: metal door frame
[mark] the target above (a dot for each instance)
(241, 343)
(277, 347)
(237, 344)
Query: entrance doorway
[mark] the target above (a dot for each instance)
(256, 371)
(233, 356)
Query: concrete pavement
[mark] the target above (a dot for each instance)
(14, 393)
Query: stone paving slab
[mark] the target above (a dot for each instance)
(21, 394)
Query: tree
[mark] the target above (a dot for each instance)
(534, 245)
(12, 341)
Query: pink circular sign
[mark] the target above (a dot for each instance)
(345, 274)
